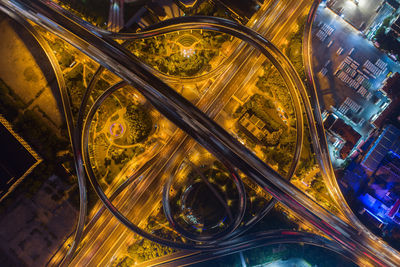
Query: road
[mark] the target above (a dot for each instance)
(257, 240)
(116, 16)
(225, 89)
(204, 130)
(70, 126)
(317, 129)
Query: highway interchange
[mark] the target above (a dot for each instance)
(206, 102)
(99, 46)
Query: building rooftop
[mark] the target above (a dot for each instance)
(392, 112)
(392, 86)
(381, 147)
(348, 134)
(394, 3)
(359, 14)
(396, 26)
(17, 159)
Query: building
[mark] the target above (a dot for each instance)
(362, 15)
(386, 142)
(336, 127)
(391, 114)
(239, 9)
(380, 213)
(396, 27)
(374, 207)
(17, 159)
(254, 125)
(392, 86)
(394, 4)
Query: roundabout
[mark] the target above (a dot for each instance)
(116, 130)
(202, 202)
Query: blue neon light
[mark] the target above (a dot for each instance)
(395, 154)
(373, 215)
(377, 141)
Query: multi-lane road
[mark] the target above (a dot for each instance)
(271, 20)
(247, 242)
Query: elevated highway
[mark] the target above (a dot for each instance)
(204, 130)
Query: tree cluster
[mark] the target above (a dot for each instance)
(318, 185)
(387, 41)
(280, 157)
(264, 109)
(174, 62)
(273, 85)
(74, 84)
(139, 123)
(95, 11)
(208, 8)
(294, 49)
(145, 250)
(64, 58)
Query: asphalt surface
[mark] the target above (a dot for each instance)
(204, 130)
(234, 76)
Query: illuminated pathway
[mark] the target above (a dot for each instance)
(116, 16)
(204, 130)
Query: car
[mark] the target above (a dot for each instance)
(327, 63)
(323, 71)
(329, 44)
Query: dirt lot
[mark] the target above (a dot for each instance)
(26, 69)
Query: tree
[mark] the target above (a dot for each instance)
(386, 21)
(318, 185)
(380, 32)
(281, 158)
(273, 138)
(124, 262)
(139, 123)
(387, 41)
(263, 108)
(66, 59)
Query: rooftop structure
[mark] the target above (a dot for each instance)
(338, 127)
(381, 147)
(396, 26)
(393, 3)
(17, 159)
(254, 125)
(392, 86)
(392, 89)
(359, 14)
(394, 209)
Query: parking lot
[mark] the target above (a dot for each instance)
(349, 71)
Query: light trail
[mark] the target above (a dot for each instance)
(201, 128)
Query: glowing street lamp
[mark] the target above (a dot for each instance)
(188, 52)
